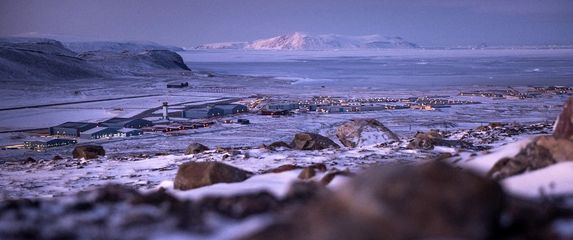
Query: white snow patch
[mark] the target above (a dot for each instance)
(553, 180)
(443, 149)
(276, 183)
(484, 163)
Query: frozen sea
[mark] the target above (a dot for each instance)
(394, 68)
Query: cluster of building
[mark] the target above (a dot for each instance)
(179, 126)
(67, 133)
(219, 110)
(326, 104)
(557, 90)
(115, 127)
(511, 93)
(508, 93)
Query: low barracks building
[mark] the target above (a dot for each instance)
(71, 129)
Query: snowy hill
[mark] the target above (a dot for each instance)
(47, 59)
(302, 41)
(83, 44)
(117, 46)
(37, 58)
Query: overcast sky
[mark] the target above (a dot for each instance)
(191, 22)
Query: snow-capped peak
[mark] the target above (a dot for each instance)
(303, 41)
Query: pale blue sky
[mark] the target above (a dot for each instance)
(191, 22)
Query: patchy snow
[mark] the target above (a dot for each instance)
(485, 162)
(553, 180)
(276, 183)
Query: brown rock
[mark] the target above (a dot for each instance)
(300, 191)
(312, 141)
(541, 152)
(307, 173)
(331, 175)
(242, 205)
(564, 126)
(531, 157)
(195, 148)
(560, 149)
(432, 201)
(425, 140)
(88, 151)
(198, 174)
(284, 168)
(350, 133)
(319, 166)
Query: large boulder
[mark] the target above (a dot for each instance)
(199, 174)
(564, 125)
(426, 140)
(560, 149)
(431, 201)
(195, 148)
(312, 141)
(362, 132)
(88, 151)
(541, 152)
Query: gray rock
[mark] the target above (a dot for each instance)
(312, 141)
(358, 132)
(199, 174)
(88, 151)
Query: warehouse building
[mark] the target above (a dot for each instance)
(126, 123)
(99, 132)
(71, 129)
(231, 108)
(41, 145)
(129, 132)
(281, 106)
(202, 113)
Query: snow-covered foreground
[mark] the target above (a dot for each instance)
(48, 178)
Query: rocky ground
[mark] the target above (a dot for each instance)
(440, 184)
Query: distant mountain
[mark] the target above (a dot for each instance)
(225, 45)
(302, 41)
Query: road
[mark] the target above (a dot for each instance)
(78, 102)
